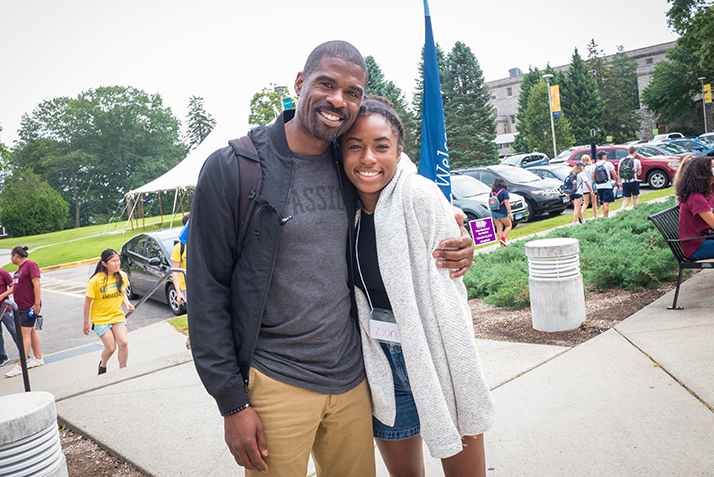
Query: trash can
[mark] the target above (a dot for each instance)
(30, 441)
(556, 285)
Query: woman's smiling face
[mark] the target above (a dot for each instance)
(370, 154)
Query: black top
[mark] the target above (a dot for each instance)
(368, 264)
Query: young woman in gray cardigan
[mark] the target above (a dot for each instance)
(418, 340)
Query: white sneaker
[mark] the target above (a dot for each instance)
(16, 371)
(34, 362)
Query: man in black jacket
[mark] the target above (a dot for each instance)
(274, 333)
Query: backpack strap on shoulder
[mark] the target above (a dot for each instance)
(249, 186)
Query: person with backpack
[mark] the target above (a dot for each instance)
(604, 175)
(576, 185)
(178, 259)
(630, 168)
(590, 198)
(274, 328)
(500, 206)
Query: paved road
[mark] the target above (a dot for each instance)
(62, 304)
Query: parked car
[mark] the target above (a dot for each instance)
(661, 149)
(695, 146)
(146, 258)
(657, 171)
(541, 195)
(667, 137)
(556, 171)
(526, 160)
(565, 154)
(471, 196)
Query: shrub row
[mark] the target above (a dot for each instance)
(624, 251)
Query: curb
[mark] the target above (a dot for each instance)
(69, 265)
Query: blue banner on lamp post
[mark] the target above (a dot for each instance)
(434, 156)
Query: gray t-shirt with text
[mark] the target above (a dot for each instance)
(307, 336)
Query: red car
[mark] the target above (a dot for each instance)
(657, 171)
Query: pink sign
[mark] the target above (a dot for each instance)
(482, 231)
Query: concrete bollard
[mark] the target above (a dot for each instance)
(556, 285)
(30, 441)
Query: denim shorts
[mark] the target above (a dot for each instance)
(498, 215)
(576, 196)
(630, 188)
(406, 424)
(101, 329)
(606, 195)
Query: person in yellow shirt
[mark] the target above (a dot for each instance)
(105, 295)
(178, 259)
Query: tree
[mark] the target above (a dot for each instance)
(29, 206)
(674, 83)
(622, 101)
(580, 101)
(470, 124)
(530, 79)
(199, 122)
(417, 99)
(94, 148)
(266, 105)
(387, 89)
(3, 155)
(537, 129)
(617, 88)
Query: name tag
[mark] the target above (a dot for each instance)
(383, 326)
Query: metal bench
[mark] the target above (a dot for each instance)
(667, 222)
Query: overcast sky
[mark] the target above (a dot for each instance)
(227, 50)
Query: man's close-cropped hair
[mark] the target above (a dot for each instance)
(334, 49)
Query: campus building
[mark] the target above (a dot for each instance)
(504, 95)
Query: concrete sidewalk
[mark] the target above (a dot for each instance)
(635, 400)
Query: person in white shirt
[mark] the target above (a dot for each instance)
(592, 196)
(630, 168)
(604, 189)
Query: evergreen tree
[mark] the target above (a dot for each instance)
(470, 124)
(537, 129)
(200, 123)
(622, 98)
(417, 100)
(580, 101)
(617, 83)
(530, 79)
(387, 89)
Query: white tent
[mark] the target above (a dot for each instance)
(185, 173)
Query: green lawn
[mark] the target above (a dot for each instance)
(84, 243)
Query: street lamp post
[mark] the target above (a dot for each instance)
(281, 90)
(547, 78)
(704, 106)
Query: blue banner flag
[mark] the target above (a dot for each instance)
(434, 156)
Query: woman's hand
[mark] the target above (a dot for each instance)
(130, 307)
(86, 327)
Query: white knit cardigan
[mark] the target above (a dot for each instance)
(431, 310)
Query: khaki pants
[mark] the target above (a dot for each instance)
(336, 428)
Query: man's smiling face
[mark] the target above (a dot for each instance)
(330, 98)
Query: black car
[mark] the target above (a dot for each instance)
(542, 195)
(145, 259)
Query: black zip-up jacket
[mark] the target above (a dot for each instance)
(227, 297)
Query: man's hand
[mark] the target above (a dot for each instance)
(460, 259)
(245, 439)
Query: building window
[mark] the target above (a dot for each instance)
(509, 91)
(649, 61)
(513, 120)
(493, 96)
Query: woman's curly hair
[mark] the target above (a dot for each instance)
(696, 176)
